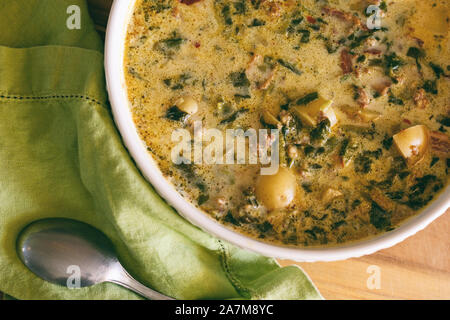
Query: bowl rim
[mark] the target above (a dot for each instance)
(121, 12)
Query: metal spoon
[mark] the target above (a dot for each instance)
(56, 249)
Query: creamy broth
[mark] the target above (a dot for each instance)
(363, 114)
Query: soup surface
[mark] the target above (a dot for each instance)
(363, 113)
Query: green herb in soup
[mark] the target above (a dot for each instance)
(362, 114)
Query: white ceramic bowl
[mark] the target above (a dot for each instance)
(114, 55)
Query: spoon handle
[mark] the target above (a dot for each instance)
(124, 279)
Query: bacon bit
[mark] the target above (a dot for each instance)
(189, 2)
(285, 117)
(221, 202)
(176, 12)
(414, 150)
(311, 19)
(383, 87)
(253, 73)
(373, 51)
(410, 33)
(256, 58)
(274, 9)
(340, 162)
(407, 121)
(440, 144)
(363, 99)
(266, 83)
(345, 16)
(346, 62)
(420, 42)
(339, 14)
(420, 99)
(197, 44)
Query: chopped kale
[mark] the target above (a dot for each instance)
(234, 116)
(242, 96)
(256, 3)
(317, 233)
(331, 48)
(379, 218)
(356, 203)
(430, 86)
(415, 53)
(361, 58)
(363, 164)
(289, 66)
(308, 150)
(257, 23)
(179, 82)
(395, 195)
(421, 185)
(308, 98)
(387, 142)
(226, 13)
(358, 40)
(170, 45)
(394, 100)
(202, 199)
(264, 227)
(438, 71)
(134, 73)
(344, 147)
(175, 114)
(434, 160)
(337, 224)
(307, 187)
(230, 219)
(239, 79)
(322, 131)
(444, 121)
(305, 35)
(392, 63)
(240, 7)
(158, 5)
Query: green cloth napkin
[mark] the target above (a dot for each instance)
(61, 156)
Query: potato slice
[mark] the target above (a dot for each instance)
(355, 117)
(369, 116)
(269, 118)
(276, 191)
(413, 143)
(315, 111)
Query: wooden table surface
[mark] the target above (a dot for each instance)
(418, 268)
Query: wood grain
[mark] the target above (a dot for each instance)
(418, 268)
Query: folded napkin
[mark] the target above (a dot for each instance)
(61, 156)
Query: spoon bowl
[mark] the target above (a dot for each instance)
(74, 254)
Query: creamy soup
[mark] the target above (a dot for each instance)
(363, 110)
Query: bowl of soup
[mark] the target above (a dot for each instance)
(304, 130)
